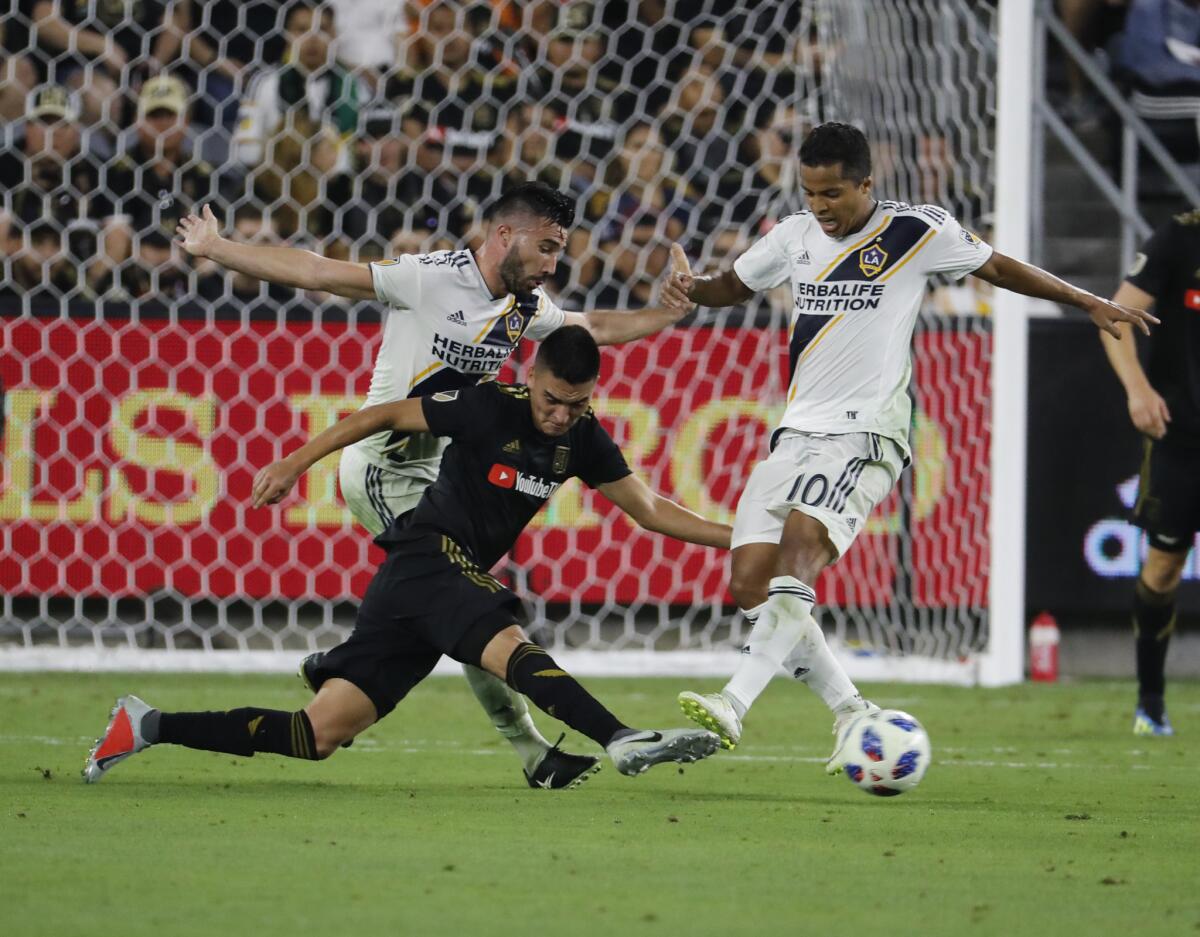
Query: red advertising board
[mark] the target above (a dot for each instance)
(130, 447)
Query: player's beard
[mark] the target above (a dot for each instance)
(512, 272)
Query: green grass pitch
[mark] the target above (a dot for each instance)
(1041, 814)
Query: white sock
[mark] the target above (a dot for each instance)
(812, 663)
(781, 625)
(509, 714)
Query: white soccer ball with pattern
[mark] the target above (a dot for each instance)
(887, 752)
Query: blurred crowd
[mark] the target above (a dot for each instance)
(363, 128)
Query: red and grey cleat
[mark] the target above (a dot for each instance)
(122, 738)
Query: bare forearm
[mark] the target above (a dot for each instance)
(722, 289)
(1033, 281)
(359, 425)
(287, 266)
(609, 327)
(674, 520)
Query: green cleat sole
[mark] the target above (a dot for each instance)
(699, 715)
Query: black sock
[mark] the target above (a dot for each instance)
(1153, 622)
(534, 673)
(241, 732)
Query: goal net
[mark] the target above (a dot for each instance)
(140, 400)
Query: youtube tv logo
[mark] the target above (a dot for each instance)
(503, 476)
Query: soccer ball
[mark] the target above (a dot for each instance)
(887, 752)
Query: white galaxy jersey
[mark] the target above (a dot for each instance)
(443, 330)
(856, 302)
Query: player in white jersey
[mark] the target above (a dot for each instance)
(453, 320)
(858, 268)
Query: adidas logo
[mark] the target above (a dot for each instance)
(514, 446)
(803, 258)
(457, 318)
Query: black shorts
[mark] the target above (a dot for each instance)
(427, 599)
(1168, 504)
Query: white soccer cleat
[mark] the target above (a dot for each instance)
(715, 713)
(841, 731)
(122, 738)
(639, 751)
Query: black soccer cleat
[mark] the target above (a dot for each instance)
(308, 673)
(558, 770)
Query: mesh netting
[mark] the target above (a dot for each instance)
(143, 389)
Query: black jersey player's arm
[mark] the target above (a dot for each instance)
(277, 479)
(651, 511)
(612, 327)
(1147, 409)
(287, 266)
(1010, 274)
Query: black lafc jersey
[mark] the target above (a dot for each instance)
(1168, 268)
(499, 469)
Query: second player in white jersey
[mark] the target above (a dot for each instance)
(443, 330)
(858, 269)
(856, 301)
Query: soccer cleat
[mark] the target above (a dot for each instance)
(841, 731)
(639, 751)
(122, 738)
(308, 674)
(557, 770)
(1144, 724)
(715, 713)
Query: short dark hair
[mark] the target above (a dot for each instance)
(537, 199)
(570, 354)
(835, 142)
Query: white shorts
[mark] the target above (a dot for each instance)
(377, 496)
(836, 479)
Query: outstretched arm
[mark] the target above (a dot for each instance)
(1146, 408)
(612, 327)
(652, 511)
(1010, 274)
(277, 479)
(287, 266)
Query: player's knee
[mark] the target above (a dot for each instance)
(1163, 571)
(747, 591)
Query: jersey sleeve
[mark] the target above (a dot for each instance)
(398, 282)
(547, 318)
(1151, 266)
(458, 414)
(954, 251)
(604, 462)
(766, 264)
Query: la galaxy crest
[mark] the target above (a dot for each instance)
(514, 325)
(871, 259)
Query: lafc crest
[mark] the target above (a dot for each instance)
(871, 259)
(562, 457)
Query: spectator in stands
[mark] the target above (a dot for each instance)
(587, 106)
(645, 213)
(119, 41)
(61, 183)
(1159, 49)
(18, 75)
(310, 94)
(39, 266)
(649, 51)
(696, 128)
(295, 125)
(154, 184)
(223, 287)
(370, 209)
(228, 42)
(369, 33)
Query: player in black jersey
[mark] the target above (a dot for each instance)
(512, 447)
(1165, 406)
